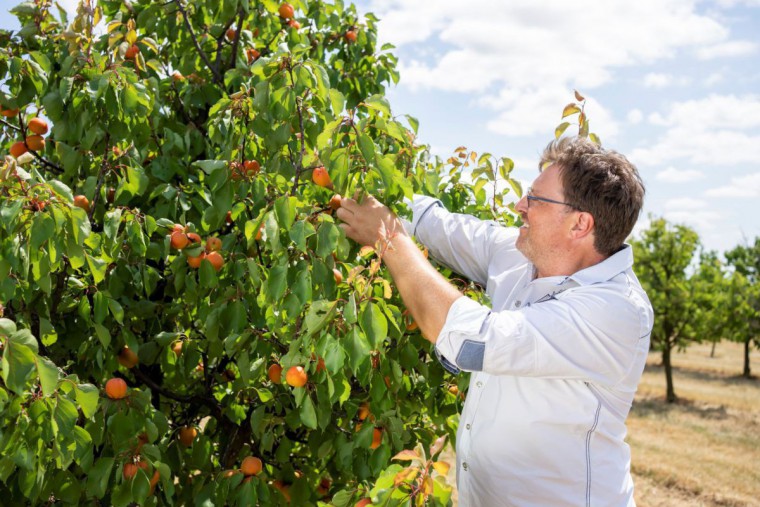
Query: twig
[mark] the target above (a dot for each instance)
(217, 78)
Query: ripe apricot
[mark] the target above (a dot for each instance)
(231, 33)
(275, 373)
(338, 276)
(177, 76)
(364, 411)
(321, 364)
(186, 435)
(130, 469)
(216, 260)
(251, 167)
(260, 231)
(8, 113)
(18, 149)
(252, 54)
(363, 502)
(251, 465)
(110, 194)
(38, 126)
(324, 486)
(350, 36)
(296, 376)
(132, 52)
(35, 142)
(282, 488)
(127, 357)
(179, 240)
(294, 24)
(228, 218)
(321, 178)
(81, 201)
(335, 202)
(193, 237)
(177, 347)
(116, 388)
(154, 481)
(195, 262)
(213, 244)
(286, 11)
(377, 438)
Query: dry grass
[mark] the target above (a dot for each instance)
(703, 450)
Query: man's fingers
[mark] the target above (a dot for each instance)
(348, 203)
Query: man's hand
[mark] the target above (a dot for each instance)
(370, 222)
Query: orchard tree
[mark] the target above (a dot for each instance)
(182, 319)
(663, 255)
(745, 260)
(713, 300)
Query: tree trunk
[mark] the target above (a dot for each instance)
(747, 373)
(670, 395)
(712, 350)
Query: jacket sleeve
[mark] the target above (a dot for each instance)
(590, 334)
(461, 242)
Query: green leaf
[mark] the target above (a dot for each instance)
(98, 477)
(367, 147)
(319, 314)
(374, 324)
(48, 372)
(87, 396)
(43, 228)
(97, 268)
(308, 414)
(18, 365)
(379, 103)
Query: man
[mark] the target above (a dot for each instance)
(555, 362)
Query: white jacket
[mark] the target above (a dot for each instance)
(555, 363)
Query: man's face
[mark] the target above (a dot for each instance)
(545, 230)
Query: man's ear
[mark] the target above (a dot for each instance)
(584, 224)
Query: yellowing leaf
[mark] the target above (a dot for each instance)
(561, 129)
(571, 108)
(437, 445)
(460, 149)
(407, 455)
(366, 251)
(579, 97)
(131, 37)
(427, 486)
(595, 139)
(441, 467)
(406, 475)
(387, 290)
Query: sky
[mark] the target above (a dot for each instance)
(672, 84)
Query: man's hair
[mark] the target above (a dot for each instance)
(601, 182)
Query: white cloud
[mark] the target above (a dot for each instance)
(703, 220)
(673, 175)
(635, 116)
(531, 111)
(716, 130)
(679, 204)
(531, 42)
(727, 49)
(714, 79)
(741, 186)
(653, 80)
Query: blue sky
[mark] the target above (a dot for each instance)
(672, 84)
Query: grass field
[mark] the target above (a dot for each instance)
(703, 450)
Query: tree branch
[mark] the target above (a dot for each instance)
(217, 78)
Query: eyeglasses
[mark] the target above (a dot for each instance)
(532, 198)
